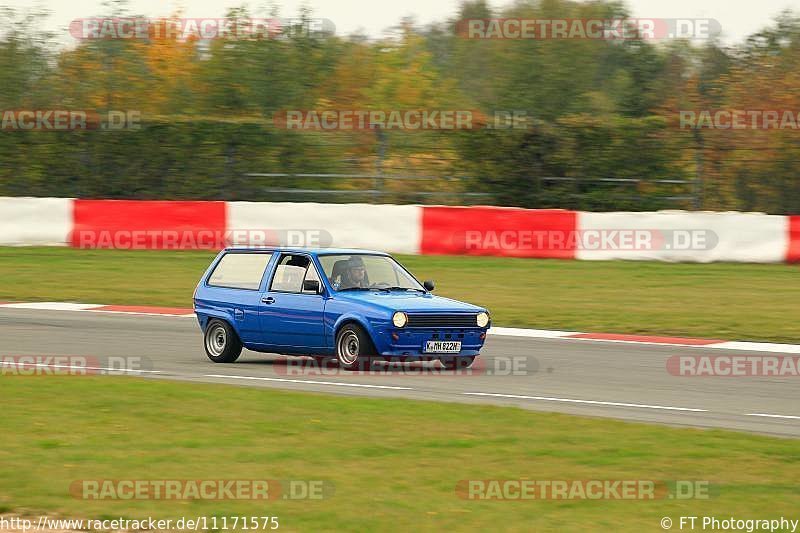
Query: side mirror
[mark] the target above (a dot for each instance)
(311, 285)
(428, 284)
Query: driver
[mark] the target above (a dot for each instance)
(355, 274)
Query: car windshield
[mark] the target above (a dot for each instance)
(365, 272)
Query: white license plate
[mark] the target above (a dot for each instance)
(442, 347)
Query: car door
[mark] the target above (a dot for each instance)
(291, 318)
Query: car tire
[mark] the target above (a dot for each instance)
(354, 348)
(221, 342)
(457, 363)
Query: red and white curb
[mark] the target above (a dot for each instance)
(118, 309)
(648, 339)
(654, 340)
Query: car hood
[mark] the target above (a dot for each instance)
(409, 301)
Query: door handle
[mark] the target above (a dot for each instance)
(268, 300)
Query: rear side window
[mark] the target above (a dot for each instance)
(240, 271)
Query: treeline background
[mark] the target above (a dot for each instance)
(602, 132)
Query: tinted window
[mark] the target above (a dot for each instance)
(240, 271)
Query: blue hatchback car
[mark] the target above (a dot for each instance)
(354, 305)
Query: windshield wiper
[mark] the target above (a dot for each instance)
(403, 289)
(354, 289)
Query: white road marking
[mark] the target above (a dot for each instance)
(534, 333)
(756, 347)
(143, 313)
(588, 402)
(648, 343)
(90, 308)
(774, 416)
(310, 382)
(51, 306)
(722, 345)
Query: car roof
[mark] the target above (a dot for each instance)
(312, 251)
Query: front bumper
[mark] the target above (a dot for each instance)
(410, 342)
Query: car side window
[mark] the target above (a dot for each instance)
(311, 274)
(239, 271)
(290, 273)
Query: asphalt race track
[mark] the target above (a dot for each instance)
(598, 379)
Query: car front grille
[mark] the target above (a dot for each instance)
(442, 321)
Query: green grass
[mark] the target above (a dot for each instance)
(727, 301)
(394, 463)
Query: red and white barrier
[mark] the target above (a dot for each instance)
(35, 221)
(386, 227)
(147, 224)
(793, 252)
(502, 231)
(679, 236)
(685, 236)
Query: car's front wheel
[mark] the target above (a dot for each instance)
(221, 342)
(354, 348)
(457, 363)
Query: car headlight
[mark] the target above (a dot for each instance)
(483, 319)
(399, 319)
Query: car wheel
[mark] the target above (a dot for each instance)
(457, 363)
(221, 342)
(354, 348)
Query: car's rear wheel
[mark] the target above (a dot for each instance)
(221, 342)
(354, 349)
(457, 363)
